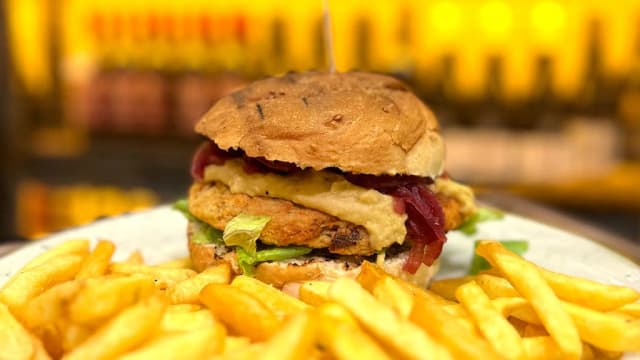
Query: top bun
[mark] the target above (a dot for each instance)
(357, 122)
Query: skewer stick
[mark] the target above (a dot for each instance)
(328, 39)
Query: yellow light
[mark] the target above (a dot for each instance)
(547, 19)
(495, 19)
(445, 17)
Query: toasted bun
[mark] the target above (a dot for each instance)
(310, 119)
(309, 268)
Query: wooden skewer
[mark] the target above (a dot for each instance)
(328, 39)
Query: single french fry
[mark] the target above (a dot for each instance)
(78, 247)
(441, 324)
(128, 329)
(183, 308)
(182, 263)
(235, 343)
(163, 277)
(188, 291)
(447, 287)
(502, 337)
(341, 335)
(101, 298)
(604, 331)
(240, 311)
(280, 303)
(195, 344)
(188, 321)
(630, 309)
(294, 341)
(541, 348)
(391, 293)
(314, 293)
(384, 323)
(589, 293)
(97, 262)
(528, 281)
(33, 281)
(135, 258)
(15, 341)
(496, 286)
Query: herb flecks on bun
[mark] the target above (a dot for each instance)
(336, 168)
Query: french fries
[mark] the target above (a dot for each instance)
(36, 278)
(188, 291)
(315, 293)
(125, 331)
(162, 276)
(502, 336)
(97, 262)
(341, 335)
(528, 281)
(280, 303)
(15, 341)
(384, 323)
(240, 311)
(72, 303)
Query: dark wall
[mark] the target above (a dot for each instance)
(8, 126)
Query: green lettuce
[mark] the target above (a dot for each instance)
(247, 262)
(469, 227)
(244, 230)
(478, 263)
(203, 233)
(241, 230)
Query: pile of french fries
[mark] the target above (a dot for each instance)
(73, 303)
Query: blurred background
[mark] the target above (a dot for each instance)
(538, 98)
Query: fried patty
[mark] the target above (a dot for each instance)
(292, 224)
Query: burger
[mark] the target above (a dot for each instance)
(307, 175)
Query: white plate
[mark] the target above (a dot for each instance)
(160, 235)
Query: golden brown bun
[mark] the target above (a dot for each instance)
(315, 268)
(312, 118)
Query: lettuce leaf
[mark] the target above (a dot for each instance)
(478, 263)
(244, 230)
(469, 227)
(247, 262)
(203, 232)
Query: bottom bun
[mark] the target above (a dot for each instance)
(304, 268)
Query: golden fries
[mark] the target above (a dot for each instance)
(101, 298)
(342, 336)
(447, 287)
(97, 262)
(384, 323)
(163, 277)
(503, 337)
(528, 281)
(15, 341)
(196, 344)
(280, 303)
(32, 281)
(240, 311)
(315, 293)
(293, 342)
(440, 323)
(188, 291)
(70, 303)
(128, 329)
